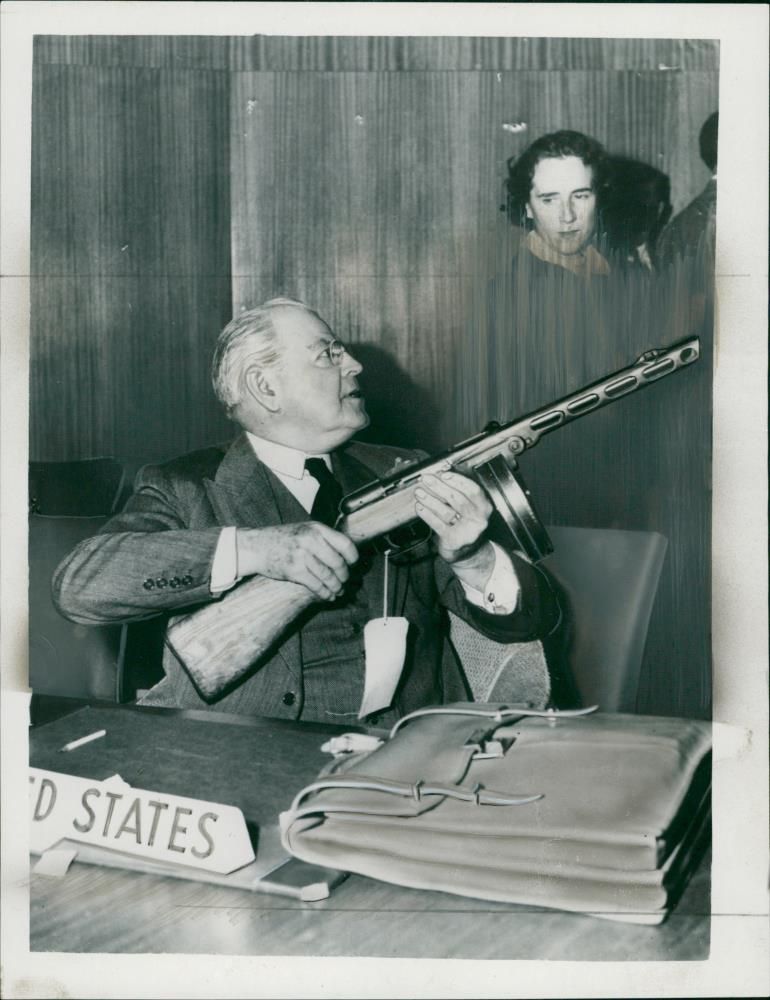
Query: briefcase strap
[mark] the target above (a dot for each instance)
(494, 715)
(477, 794)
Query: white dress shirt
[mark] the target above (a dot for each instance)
(500, 595)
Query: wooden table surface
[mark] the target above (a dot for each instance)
(95, 909)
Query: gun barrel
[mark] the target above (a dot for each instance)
(395, 493)
(651, 366)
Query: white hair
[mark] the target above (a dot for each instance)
(247, 340)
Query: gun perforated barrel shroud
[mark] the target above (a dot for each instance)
(394, 494)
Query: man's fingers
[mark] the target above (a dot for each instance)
(432, 519)
(456, 509)
(460, 493)
(319, 559)
(308, 553)
(320, 549)
(334, 573)
(317, 588)
(442, 511)
(310, 574)
(339, 542)
(466, 487)
(328, 584)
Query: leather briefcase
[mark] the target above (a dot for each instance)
(595, 812)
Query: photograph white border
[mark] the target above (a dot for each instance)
(738, 963)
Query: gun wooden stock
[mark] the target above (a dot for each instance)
(222, 641)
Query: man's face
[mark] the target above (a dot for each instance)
(319, 402)
(562, 203)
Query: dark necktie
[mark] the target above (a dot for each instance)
(327, 499)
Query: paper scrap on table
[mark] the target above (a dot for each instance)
(385, 651)
(55, 861)
(115, 782)
(351, 743)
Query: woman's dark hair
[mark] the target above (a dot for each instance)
(637, 205)
(521, 170)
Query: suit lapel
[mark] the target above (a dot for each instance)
(351, 473)
(241, 492)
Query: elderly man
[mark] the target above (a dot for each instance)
(265, 505)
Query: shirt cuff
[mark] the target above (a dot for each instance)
(224, 567)
(502, 590)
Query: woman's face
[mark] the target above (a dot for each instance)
(562, 203)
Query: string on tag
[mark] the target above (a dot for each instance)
(385, 588)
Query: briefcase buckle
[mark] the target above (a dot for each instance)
(486, 745)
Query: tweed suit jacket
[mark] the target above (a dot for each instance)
(155, 557)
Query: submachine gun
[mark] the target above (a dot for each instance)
(223, 640)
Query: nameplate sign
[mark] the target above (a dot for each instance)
(154, 825)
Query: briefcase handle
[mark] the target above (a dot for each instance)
(497, 713)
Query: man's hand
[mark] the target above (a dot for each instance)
(309, 553)
(458, 511)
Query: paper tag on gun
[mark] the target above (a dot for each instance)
(385, 650)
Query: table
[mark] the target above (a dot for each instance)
(94, 909)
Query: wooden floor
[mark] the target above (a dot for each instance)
(99, 910)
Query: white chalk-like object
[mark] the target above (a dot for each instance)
(83, 740)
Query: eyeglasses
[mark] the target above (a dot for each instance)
(334, 350)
